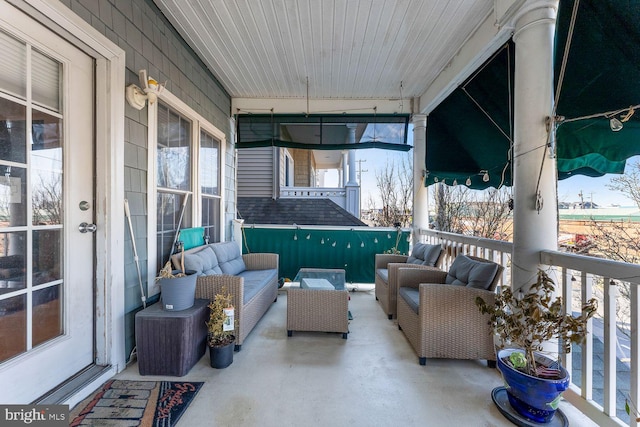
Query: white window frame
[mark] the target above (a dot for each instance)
(198, 123)
(289, 169)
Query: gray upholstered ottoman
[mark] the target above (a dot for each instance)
(171, 342)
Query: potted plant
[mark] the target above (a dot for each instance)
(220, 330)
(527, 319)
(177, 287)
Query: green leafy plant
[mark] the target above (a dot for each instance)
(527, 319)
(631, 408)
(217, 336)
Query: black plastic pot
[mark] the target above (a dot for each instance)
(221, 357)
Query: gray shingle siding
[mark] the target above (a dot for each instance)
(151, 43)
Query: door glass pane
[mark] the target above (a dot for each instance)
(45, 73)
(46, 171)
(174, 154)
(13, 196)
(47, 256)
(13, 78)
(209, 160)
(13, 119)
(13, 261)
(13, 326)
(47, 314)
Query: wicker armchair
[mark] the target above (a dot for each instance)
(442, 320)
(386, 272)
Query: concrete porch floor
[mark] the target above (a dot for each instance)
(319, 379)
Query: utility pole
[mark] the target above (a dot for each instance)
(360, 170)
(581, 199)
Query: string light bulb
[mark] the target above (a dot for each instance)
(322, 241)
(455, 181)
(485, 176)
(375, 240)
(349, 245)
(435, 179)
(468, 181)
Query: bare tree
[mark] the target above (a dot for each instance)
(395, 189)
(477, 213)
(629, 183)
(47, 199)
(619, 240)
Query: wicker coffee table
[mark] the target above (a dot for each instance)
(317, 305)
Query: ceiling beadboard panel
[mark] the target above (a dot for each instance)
(347, 49)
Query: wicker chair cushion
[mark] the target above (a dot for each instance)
(424, 254)
(465, 271)
(383, 273)
(411, 296)
(203, 262)
(255, 281)
(229, 258)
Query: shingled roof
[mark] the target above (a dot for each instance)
(316, 211)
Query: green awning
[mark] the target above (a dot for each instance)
(601, 75)
(323, 131)
(468, 133)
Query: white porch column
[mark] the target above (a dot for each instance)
(352, 187)
(352, 155)
(535, 197)
(343, 172)
(420, 192)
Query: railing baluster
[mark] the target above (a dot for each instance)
(567, 298)
(587, 348)
(635, 350)
(609, 323)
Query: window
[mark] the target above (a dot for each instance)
(288, 169)
(187, 175)
(173, 178)
(210, 185)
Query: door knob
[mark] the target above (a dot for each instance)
(87, 228)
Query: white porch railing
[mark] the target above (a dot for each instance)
(599, 379)
(337, 195)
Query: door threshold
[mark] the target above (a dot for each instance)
(68, 391)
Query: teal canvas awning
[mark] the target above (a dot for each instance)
(601, 76)
(469, 133)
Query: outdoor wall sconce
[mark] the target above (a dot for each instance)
(137, 97)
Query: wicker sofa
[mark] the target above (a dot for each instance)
(437, 310)
(252, 280)
(423, 256)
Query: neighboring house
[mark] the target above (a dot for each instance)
(290, 173)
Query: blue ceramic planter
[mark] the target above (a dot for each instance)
(534, 398)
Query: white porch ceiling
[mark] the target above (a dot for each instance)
(348, 49)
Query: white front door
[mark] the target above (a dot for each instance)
(46, 191)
